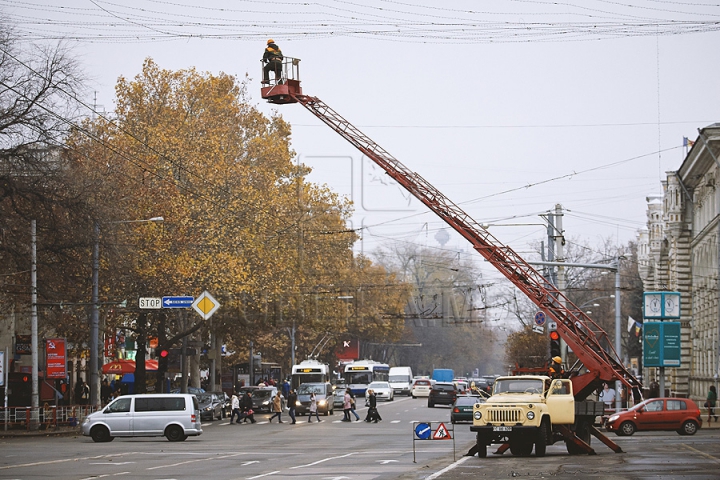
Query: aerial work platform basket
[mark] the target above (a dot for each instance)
(283, 89)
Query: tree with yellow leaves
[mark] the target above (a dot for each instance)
(239, 219)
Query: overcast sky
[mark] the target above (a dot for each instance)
(508, 107)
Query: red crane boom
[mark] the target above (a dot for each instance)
(579, 331)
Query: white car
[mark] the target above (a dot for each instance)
(421, 388)
(383, 391)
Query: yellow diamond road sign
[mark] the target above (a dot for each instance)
(205, 305)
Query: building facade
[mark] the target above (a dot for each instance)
(680, 251)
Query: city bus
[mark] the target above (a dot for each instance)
(309, 371)
(359, 374)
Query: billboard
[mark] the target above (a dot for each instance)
(55, 358)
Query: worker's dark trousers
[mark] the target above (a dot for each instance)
(272, 66)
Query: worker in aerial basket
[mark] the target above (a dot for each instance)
(272, 58)
(556, 369)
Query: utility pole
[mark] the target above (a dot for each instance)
(559, 241)
(95, 319)
(35, 400)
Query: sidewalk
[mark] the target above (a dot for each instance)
(52, 432)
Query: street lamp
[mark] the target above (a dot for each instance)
(95, 317)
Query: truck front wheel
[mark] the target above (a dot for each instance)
(542, 439)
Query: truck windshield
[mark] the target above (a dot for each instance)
(518, 385)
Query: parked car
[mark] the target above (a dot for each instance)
(262, 398)
(383, 391)
(323, 396)
(211, 406)
(463, 408)
(442, 393)
(673, 414)
(421, 387)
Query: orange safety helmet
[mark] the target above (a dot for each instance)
(271, 41)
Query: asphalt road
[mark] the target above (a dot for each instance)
(338, 450)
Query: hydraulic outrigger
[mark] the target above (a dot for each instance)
(579, 331)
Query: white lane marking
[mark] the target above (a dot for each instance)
(110, 463)
(263, 475)
(447, 469)
(50, 462)
(385, 462)
(245, 464)
(396, 421)
(176, 464)
(323, 460)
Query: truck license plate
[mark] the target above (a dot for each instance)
(502, 429)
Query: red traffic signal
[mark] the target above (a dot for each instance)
(164, 353)
(554, 335)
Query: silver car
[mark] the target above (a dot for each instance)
(175, 416)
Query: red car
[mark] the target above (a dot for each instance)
(674, 414)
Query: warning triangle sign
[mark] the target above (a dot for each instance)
(442, 433)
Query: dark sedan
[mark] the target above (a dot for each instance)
(463, 408)
(442, 393)
(211, 406)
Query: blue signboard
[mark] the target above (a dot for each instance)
(177, 302)
(423, 431)
(661, 344)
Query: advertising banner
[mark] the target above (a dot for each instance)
(55, 358)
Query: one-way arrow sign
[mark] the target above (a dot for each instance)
(177, 302)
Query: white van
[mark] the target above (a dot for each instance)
(401, 379)
(175, 416)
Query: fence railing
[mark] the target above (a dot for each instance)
(47, 417)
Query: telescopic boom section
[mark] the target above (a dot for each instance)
(579, 331)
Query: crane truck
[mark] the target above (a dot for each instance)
(549, 410)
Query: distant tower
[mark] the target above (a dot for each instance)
(442, 237)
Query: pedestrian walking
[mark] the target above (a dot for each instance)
(286, 389)
(292, 403)
(347, 405)
(352, 407)
(234, 408)
(246, 406)
(373, 415)
(313, 408)
(277, 407)
(710, 403)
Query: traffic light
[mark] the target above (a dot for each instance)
(164, 353)
(555, 350)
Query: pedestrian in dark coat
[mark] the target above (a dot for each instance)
(246, 405)
(373, 415)
(292, 403)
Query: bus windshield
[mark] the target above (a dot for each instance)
(362, 378)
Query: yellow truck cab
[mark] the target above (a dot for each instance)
(523, 411)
